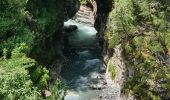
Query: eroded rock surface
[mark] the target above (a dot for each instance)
(85, 15)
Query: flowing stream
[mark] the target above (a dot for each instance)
(83, 65)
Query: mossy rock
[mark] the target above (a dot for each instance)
(112, 71)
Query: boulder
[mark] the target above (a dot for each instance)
(98, 86)
(70, 28)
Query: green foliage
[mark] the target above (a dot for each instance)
(40, 76)
(13, 30)
(12, 14)
(142, 27)
(5, 53)
(138, 41)
(15, 80)
(58, 90)
(155, 46)
(127, 49)
(112, 71)
(20, 51)
(27, 28)
(16, 83)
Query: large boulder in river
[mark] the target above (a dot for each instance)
(70, 28)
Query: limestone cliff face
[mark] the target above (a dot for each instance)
(85, 15)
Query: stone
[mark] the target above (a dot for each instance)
(97, 86)
(47, 93)
(70, 28)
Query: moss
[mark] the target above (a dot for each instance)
(112, 71)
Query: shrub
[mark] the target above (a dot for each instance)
(15, 82)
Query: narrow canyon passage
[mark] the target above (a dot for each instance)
(83, 69)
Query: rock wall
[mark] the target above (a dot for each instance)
(49, 19)
(111, 56)
(103, 7)
(71, 7)
(46, 19)
(85, 15)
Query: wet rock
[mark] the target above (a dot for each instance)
(102, 70)
(109, 93)
(98, 86)
(70, 28)
(100, 77)
(98, 83)
(72, 96)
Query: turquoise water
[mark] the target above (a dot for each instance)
(83, 62)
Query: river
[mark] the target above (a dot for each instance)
(84, 65)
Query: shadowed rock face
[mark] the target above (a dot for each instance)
(50, 42)
(103, 9)
(55, 11)
(71, 8)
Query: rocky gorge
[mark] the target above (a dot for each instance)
(84, 49)
(97, 14)
(113, 56)
(110, 90)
